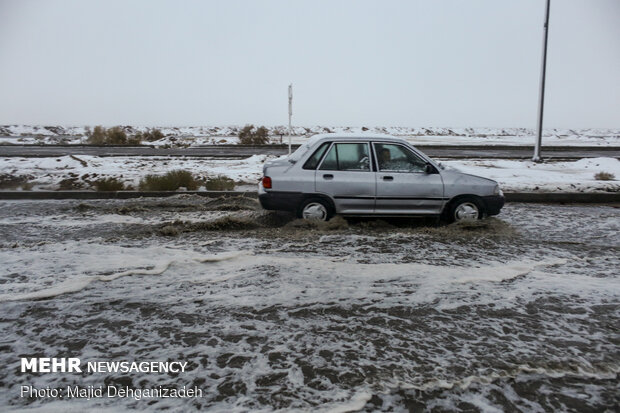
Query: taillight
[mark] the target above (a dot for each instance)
(266, 182)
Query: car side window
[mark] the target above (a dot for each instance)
(397, 158)
(347, 157)
(330, 163)
(314, 160)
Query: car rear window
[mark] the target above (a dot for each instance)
(314, 160)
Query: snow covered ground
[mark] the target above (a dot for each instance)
(513, 175)
(204, 135)
(46, 173)
(528, 176)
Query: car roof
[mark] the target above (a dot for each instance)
(355, 136)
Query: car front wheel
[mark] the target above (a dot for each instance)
(466, 209)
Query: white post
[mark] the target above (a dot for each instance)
(290, 114)
(541, 102)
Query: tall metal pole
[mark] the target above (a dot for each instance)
(541, 101)
(290, 114)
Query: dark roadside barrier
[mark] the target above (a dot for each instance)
(564, 197)
(534, 197)
(35, 195)
(228, 151)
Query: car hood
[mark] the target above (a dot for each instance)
(454, 175)
(480, 178)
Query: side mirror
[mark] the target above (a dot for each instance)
(293, 161)
(429, 168)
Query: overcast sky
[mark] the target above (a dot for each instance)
(359, 63)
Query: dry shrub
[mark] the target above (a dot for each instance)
(219, 183)
(8, 181)
(171, 181)
(250, 135)
(604, 176)
(150, 135)
(113, 136)
(109, 184)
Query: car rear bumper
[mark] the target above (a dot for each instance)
(280, 201)
(493, 204)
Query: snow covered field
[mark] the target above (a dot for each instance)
(528, 176)
(514, 176)
(198, 135)
(46, 173)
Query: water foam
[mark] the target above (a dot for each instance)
(603, 372)
(356, 403)
(68, 260)
(116, 256)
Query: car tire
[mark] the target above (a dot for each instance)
(465, 209)
(315, 209)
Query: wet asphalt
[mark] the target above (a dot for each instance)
(514, 313)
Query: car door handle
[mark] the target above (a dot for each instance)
(328, 176)
(388, 178)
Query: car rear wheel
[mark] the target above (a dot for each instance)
(315, 209)
(466, 209)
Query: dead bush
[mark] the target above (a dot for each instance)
(219, 183)
(250, 135)
(70, 184)
(109, 184)
(171, 181)
(604, 176)
(97, 136)
(8, 181)
(116, 136)
(112, 136)
(150, 135)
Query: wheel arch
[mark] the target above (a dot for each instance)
(324, 197)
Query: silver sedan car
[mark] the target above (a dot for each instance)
(373, 175)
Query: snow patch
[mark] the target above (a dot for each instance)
(528, 176)
(512, 175)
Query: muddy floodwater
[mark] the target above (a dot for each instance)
(515, 313)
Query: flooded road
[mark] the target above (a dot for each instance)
(515, 313)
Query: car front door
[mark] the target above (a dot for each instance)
(403, 184)
(346, 176)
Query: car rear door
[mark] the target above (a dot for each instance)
(403, 185)
(346, 176)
